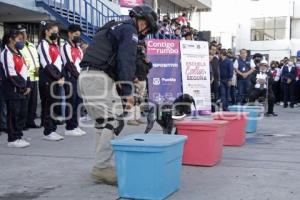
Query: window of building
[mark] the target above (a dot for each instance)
(269, 28)
(295, 28)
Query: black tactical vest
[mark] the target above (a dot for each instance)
(100, 53)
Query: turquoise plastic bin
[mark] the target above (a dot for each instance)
(254, 113)
(148, 166)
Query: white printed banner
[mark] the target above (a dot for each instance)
(196, 72)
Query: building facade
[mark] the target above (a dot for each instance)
(269, 27)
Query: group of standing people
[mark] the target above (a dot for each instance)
(286, 87)
(104, 78)
(52, 69)
(248, 79)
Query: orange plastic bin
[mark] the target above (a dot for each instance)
(204, 146)
(235, 133)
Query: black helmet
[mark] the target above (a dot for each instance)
(147, 13)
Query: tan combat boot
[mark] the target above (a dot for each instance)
(105, 175)
(132, 123)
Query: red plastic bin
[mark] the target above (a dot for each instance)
(235, 134)
(204, 146)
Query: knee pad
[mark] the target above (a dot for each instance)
(104, 124)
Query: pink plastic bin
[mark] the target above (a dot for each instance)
(235, 133)
(204, 146)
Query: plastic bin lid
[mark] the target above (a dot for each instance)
(195, 122)
(228, 116)
(229, 113)
(149, 140)
(238, 107)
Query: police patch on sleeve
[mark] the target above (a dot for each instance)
(135, 37)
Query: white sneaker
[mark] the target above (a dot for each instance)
(72, 133)
(53, 137)
(79, 130)
(18, 144)
(24, 142)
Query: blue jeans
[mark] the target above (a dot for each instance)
(224, 93)
(243, 90)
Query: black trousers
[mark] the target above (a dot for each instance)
(3, 114)
(289, 93)
(51, 103)
(214, 94)
(297, 91)
(257, 93)
(277, 90)
(233, 94)
(73, 101)
(282, 91)
(32, 103)
(16, 118)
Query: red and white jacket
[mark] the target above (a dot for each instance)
(50, 58)
(276, 73)
(15, 68)
(71, 56)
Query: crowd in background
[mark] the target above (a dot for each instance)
(234, 77)
(176, 28)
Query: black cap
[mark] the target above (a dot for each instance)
(20, 28)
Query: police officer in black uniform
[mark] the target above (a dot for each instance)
(108, 71)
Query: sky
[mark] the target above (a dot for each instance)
(226, 15)
(222, 18)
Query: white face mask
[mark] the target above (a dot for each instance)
(290, 64)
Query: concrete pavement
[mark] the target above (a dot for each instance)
(266, 168)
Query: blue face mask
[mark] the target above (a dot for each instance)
(20, 45)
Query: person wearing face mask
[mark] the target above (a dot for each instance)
(288, 75)
(72, 56)
(297, 85)
(108, 71)
(177, 35)
(29, 52)
(17, 87)
(50, 78)
(276, 73)
(262, 80)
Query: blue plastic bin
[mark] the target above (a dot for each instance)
(148, 166)
(254, 112)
